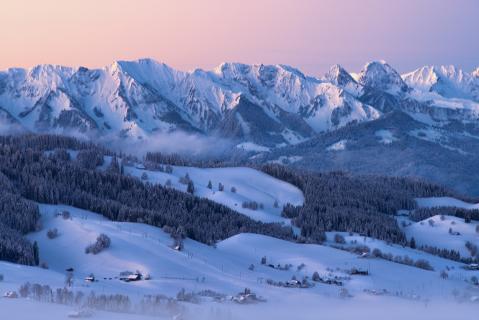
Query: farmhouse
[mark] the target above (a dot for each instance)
(472, 266)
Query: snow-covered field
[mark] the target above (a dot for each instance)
(250, 185)
(436, 233)
(338, 146)
(385, 136)
(226, 269)
(445, 202)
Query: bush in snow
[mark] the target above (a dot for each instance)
(144, 176)
(66, 215)
(168, 183)
(431, 222)
(102, 242)
(251, 267)
(210, 185)
(169, 169)
(316, 276)
(263, 260)
(1, 277)
(339, 239)
(185, 180)
(276, 204)
(221, 187)
(233, 189)
(69, 279)
(52, 233)
(361, 249)
(444, 275)
(423, 264)
(377, 253)
(252, 205)
(474, 280)
(467, 217)
(344, 293)
(25, 290)
(472, 248)
(187, 296)
(477, 228)
(301, 267)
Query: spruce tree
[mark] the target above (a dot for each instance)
(412, 243)
(191, 187)
(36, 253)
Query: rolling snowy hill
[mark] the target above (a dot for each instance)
(241, 185)
(227, 268)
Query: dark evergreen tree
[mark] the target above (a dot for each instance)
(191, 187)
(36, 253)
(412, 243)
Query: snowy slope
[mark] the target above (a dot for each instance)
(438, 235)
(447, 81)
(225, 268)
(445, 202)
(250, 185)
(140, 247)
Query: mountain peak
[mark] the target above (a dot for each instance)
(381, 76)
(231, 67)
(337, 75)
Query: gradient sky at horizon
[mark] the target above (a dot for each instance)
(308, 34)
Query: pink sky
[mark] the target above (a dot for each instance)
(308, 34)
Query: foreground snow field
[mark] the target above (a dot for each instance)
(226, 269)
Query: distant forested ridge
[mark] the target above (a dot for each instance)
(365, 204)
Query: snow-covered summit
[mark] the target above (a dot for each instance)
(338, 76)
(447, 81)
(381, 76)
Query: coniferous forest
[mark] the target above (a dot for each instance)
(38, 169)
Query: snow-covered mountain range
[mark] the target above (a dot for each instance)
(270, 105)
(424, 123)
